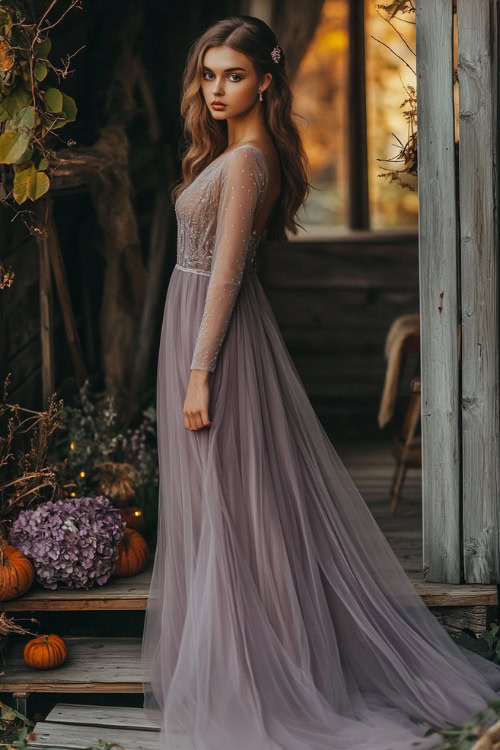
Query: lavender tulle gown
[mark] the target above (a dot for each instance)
(278, 615)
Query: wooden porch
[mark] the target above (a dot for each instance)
(100, 665)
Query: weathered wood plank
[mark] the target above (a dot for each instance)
(78, 737)
(477, 75)
(121, 717)
(118, 593)
(360, 260)
(101, 665)
(455, 619)
(438, 292)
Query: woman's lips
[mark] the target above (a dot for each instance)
(218, 106)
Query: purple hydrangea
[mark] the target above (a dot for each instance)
(71, 542)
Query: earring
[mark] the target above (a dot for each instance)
(260, 95)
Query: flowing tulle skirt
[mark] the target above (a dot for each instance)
(278, 615)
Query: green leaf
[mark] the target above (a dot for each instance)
(495, 704)
(8, 713)
(43, 164)
(40, 70)
(24, 119)
(44, 48)
(13, 145)
(38, 185)
(24, 157)
(20, 166)
(53, 98)
(69, 112)
(10, 105)
(30, 184)
(69, 108)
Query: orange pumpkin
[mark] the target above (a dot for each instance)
(45, 652)
(133, 554)
(16, 572)
(133, 517)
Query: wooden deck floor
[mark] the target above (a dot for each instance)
(104, 665)
(371, 466)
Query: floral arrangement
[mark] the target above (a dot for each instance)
(70, 542)
(139, 449)
(99, 456)
(96, 437)
(93, 434)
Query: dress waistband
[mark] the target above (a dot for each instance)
(251, 269)
(192, 270)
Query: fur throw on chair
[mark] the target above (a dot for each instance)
(400, 330)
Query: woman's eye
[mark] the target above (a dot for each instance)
(232, 75)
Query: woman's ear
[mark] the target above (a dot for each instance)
(266, 81)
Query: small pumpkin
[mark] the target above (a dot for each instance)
(45, 652)
(16, 572)
(116, 481)
(133, 554)
(133, 517)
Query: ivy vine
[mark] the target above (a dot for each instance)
(30, 109)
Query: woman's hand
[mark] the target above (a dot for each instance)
(195, 407)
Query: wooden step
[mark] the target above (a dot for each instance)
(118, 593)
(75, 737)
(114, 717)
(94, 665)
(77, 726)
(132, 593)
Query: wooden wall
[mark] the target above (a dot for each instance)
(335, 300)
(20, 352)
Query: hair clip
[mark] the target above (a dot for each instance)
(276, 54)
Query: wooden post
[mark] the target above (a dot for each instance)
(477, 74)
(64, 297)
(438, 293)
(358, 208)
(46, 306)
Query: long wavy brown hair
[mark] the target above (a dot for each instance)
(207, 137)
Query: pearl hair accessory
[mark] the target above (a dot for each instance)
(276, 54)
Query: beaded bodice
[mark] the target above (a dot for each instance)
(197, 208)
(216, 238)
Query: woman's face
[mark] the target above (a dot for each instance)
(228, 77)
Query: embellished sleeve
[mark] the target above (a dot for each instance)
(243, 182)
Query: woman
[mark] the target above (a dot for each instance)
(278, 618)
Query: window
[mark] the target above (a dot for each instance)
(320, 92)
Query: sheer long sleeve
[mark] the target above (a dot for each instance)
(243, 183)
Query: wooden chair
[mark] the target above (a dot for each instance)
(406, 448)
